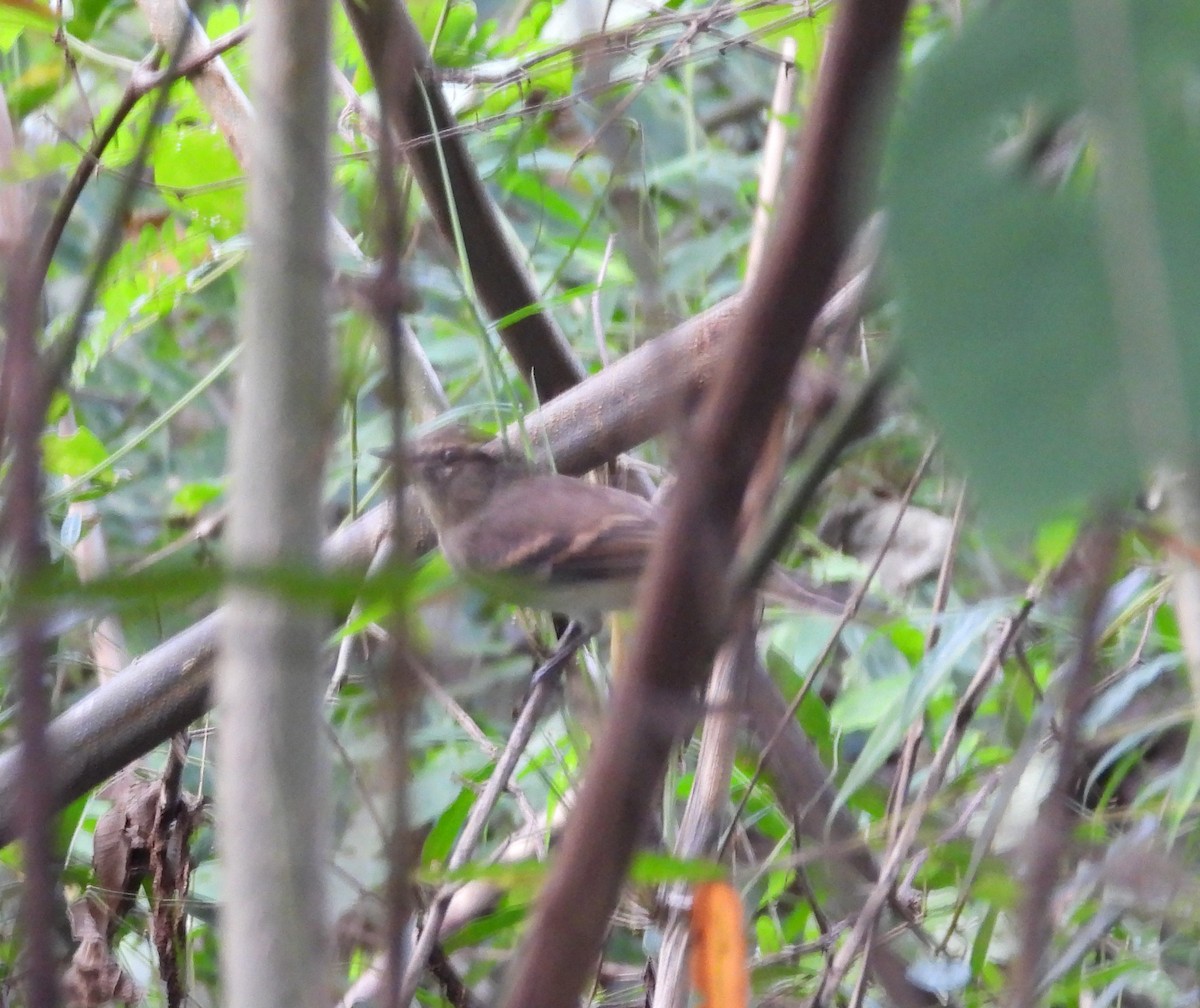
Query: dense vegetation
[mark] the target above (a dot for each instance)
(1004, 710)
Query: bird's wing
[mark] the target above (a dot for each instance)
(585, 532)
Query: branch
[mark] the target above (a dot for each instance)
(165, 689)
(685, 607)
(273, 768)
(464, 213)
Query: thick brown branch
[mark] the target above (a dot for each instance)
(684, 602)
(465, 215)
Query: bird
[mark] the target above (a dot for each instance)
(549, 541)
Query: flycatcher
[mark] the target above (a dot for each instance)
(545, 540)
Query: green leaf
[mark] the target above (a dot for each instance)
(527, 35)
(74, 454)
(223, 19)
(453, 42)
(961, 633)
(516, 876)
(445, 830)
(537, 190)
(445, 25)
(479, 931)
(767, 935)
(1048, 318)
(655, 869)
(193, 160)
(981, 947)
(1054, 541)
(34, 87)
(864, 704)
(26, 12)
(191, 498)
(770, 24)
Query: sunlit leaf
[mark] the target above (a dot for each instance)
(73, 454)
(191, 498)
(27, 12)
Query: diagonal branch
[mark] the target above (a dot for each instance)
(167, 688)
(685, 608)
(455, 194)
(164, 690)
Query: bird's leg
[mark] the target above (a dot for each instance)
(573, 638)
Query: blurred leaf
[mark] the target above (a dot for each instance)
(981, 948)
(193, 161)
(537, 190)
(528, 31)
(907, 639)
(27, 12)
(771, 23)
(1054, 541)
(34, 87)
(520, 876)
(656, 869)
(191, 498)
(864, 704)
(440, 839)
(453, 43)
(717, 949)
(1009, 297)
(502, 921)
(185, 579)
(446, 26)
(74, 454)
(437, 783)
(222, 19)
(1117, 697)
(71, 530)
(943, 977)
(767, 935)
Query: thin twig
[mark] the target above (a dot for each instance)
(890, 868)
(851, 609)
(1051, 833)
(916, 732)
(472, 830)
(773, 151)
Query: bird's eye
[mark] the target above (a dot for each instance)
(448, 456)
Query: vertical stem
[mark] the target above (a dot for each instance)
(272, 771)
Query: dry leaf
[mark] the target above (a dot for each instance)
(718, 947)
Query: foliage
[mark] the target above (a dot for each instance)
(1042, 193)
(1017, 297)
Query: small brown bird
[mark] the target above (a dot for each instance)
(549, 541)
